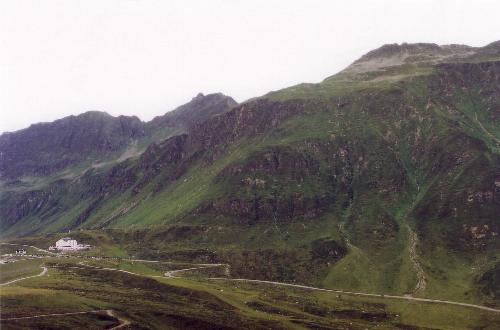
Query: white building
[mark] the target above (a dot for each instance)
(68, 244)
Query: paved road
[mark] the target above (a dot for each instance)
(44, 271)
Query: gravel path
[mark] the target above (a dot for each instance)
(109, 312)
(170, 275)
(44, 271)
(436, 301)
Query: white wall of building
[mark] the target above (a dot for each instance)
(66, 244)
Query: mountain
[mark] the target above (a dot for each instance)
(382, 178)
(201, 108)
(47, 148)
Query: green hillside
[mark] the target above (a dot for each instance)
(384, 178)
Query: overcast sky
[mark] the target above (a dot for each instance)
(146, 57)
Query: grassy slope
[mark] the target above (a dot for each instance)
(374, 262)
(207, 304)
(22, 268)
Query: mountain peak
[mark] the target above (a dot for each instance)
(45, 148)
(209, 97)
(395, 54)
(200, 108)
(400, 49)
(94, 113)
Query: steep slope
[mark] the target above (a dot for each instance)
(95, 138)
(199, 109)
(382, 178)
(43, 149)
(179, 120)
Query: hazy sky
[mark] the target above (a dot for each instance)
(146, 57)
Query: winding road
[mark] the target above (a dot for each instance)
(49, 315)
(44, 271)
(123, 322)
(171, 275)
(436, 301)
(109, 312)
(306, 287)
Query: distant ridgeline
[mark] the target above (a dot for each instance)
(382, 178)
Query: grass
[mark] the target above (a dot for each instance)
(478, 121)
(18, 269)
(406, 151)
(345, 84)
(178, 198)
(82, 321)
(207, 304)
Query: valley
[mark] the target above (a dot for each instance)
(369, 199)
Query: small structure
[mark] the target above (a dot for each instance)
(66, 243)
(69, 244)
(20, 252)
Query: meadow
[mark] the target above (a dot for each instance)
(139, 293)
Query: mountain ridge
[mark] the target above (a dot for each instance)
(383, 173)
(93, 132)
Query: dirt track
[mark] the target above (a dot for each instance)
(44, 271)
(170, 275)
(109, 312)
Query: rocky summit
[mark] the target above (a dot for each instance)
(383, 178)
